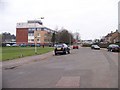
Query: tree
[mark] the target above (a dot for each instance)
(96, 41)
(53, 39)
(63, 36)
(7, 37)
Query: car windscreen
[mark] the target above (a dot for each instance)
(59, 46)
(96, 46)
(113, 46)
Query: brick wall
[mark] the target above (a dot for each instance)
(21, 35)
(42, 36)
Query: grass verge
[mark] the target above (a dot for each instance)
(9, 53)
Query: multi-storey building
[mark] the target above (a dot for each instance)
(33, 32)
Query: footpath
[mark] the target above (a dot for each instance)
(20, 61)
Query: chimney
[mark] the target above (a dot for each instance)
(116, 30)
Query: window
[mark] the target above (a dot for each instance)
(38, 34)
(38, 28)
(32, 29)
(30, 34)
(45, 35)
(32, 39)
(42, 29)
(38, 40)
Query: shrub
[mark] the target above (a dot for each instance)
(86, 45)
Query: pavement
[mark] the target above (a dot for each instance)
(25, 60)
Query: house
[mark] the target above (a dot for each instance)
(112, 37)
(87, 41)
(33, 32)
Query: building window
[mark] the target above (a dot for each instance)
(31, 29)
(38, 35)
(38, 40)
(38, 29)
(30, 34)
(32, 39)
(42, 29)
(46, 35)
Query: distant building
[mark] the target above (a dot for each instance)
(87, 41)
(112, 37)
(33, 32)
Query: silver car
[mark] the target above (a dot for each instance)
(95, 47)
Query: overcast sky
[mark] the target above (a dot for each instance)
(91, 18)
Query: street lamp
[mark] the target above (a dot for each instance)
(35, 40)
(35, 45)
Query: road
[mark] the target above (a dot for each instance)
(83, 68)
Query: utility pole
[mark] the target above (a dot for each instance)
(35, 40)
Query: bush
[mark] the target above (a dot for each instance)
(86, 45)
(101, 45)
(118, 43)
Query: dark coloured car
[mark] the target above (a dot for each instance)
(23, 45)
(32, 45)
(95, 47)
(61, 48)
(113, 48)
(38, 45)
(75, 47)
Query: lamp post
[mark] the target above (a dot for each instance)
(35, 40)
(69, 38)
(35, 45)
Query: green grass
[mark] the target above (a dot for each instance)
(9, 53)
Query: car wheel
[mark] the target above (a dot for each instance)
(68, 52)
(64, 52)
(55, 53)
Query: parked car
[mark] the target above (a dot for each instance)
(75, 47)
(8, 45)
(95, 47)
(23, 45)
(15, 45)
(38, 45)
(32, 45)
(113, 48)
(61, 48)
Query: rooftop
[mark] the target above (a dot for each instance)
(29, 25)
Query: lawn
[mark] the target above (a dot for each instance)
(9, 53)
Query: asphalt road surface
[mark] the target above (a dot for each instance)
(83, 68)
